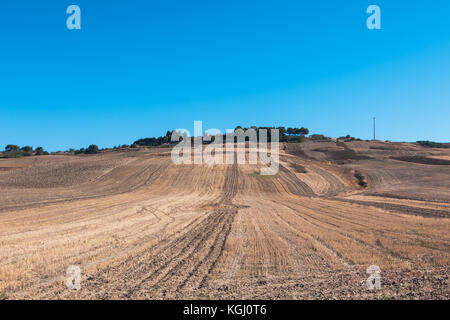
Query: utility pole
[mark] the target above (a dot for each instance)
(374, 128)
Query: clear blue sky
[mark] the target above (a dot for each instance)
(138, 68)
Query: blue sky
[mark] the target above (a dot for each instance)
(139, 68)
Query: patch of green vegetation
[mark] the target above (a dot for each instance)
(13, 154)
(432, 144)
(285, 135)
(294, 139)
(13, 151)
(361, 179)
(154, 142)
(319, 138)
(258, 174)
(92, 149)
(40, 152)
(349, 138)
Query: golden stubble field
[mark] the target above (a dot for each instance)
(141, 227)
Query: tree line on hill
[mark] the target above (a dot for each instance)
(431, 144)
(13, 151)
(154, 142)
(285, 135)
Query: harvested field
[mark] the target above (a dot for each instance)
(141, 227)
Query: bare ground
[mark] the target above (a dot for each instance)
(141, 227)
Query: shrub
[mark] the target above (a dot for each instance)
(11, 147)
(349, 138)
(13, 154)
(361, 179)
(92, 149)
(303, 131)
(294, 139)
(431, 144)
(39, 151)
(27, 149)
(319, 138)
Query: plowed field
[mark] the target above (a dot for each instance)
(141, 227)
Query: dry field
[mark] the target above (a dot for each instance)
(141, 227)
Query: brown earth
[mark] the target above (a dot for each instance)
(141, 227)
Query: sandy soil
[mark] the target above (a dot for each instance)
(141, 227)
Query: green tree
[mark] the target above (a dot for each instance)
(92, 149)
(39, 151)
(27, 149)
(303, 131)
(11, 147)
